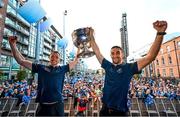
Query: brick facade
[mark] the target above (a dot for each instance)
(167, 62)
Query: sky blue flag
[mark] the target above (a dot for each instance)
(72, 54)
(1, 4)
(62, 43)
(45, 25)
(32, 11)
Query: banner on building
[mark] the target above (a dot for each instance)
(32, 11)
(45, 25)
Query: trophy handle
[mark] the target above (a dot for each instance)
(86, 53)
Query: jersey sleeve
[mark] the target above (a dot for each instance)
(36, 67)
(66, 68)
(105, 64)
(134, 68)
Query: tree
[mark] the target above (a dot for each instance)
(72, 73)
(21, 75)
(1, 75)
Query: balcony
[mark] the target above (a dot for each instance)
(22, 30)
(24, 51)
(23, 41)
(47, 39)
(6, 46)
(18, 28)
(45, 58)
(19, 18)
(46, 52)
(47, 45)
(6, 34)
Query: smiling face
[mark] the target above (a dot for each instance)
(54, 58)
(117, 55)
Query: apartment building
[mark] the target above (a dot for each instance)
(11, 23)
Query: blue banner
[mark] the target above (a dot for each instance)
(32, 11)
(1, 4)
(45, 25)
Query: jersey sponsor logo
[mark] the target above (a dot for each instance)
(119, 70)
(47, 69)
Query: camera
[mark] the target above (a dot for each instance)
(81, 34)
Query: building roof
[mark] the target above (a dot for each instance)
(143, 50)
(171, 36)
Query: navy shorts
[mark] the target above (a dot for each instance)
(105, 111)
(56, 109)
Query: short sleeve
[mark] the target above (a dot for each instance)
(105, 63)
(65, 68)
(134, 68)
(35, 67)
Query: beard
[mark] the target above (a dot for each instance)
(116, 61)
(54, 62)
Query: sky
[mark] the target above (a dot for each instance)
(105, 16)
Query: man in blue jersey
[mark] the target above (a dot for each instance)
(119, 74)
(50, 80)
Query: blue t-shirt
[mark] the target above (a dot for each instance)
(117, 80)
(50, 82)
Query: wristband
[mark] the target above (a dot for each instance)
(161, 33)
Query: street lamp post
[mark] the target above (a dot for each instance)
(64, 31)
(38, 39)
(37, 49)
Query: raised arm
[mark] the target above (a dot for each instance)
(74, 62)
(95, 47)
(17, 55)
(161, 27)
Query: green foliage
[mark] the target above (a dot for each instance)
(97, 72)
(21, 75)
(72, 73)
(2, 77)
(136, 76)
(1, 74)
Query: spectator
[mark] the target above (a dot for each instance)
(82, 103)
(119, 73)
(50, 80)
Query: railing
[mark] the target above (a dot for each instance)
(161, 107)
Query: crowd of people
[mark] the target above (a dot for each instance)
(18, 89)
(90, 89)
(157, 87)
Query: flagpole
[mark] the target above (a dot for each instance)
(64, 34)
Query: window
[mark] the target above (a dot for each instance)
(161, 51)
(8, 31)
(158, 72)
(171, 72)
(164, 72)
(163, 62)
(178, 44)
(169, 59)
(9, 21)
(168, 49)
(5, 61)
(157, 62)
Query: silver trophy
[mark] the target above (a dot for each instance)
(81, 40)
